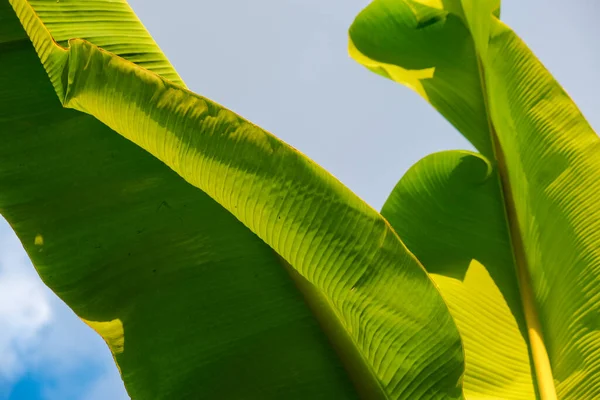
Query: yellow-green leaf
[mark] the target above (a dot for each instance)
(510, 235)
(185, 280)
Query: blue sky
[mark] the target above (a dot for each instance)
(282, 64)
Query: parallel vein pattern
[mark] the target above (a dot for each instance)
(381, 295)
(456, 195)
(555, 167)
(109, 24)
(187, 298)
(548, 155)
(353, 257)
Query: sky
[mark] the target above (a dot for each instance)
(282, 64)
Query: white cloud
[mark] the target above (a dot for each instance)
(41, 336)
(24, 306)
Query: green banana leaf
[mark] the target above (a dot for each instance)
(511, 235)
(216, 261)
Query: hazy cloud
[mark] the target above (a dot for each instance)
(41, 337)
(24, 306)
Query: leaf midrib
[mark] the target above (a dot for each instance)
(539, 353)
(358, 369)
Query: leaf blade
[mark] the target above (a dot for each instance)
(544, 153)
(307, 240)
(456, 194)
(127, 243)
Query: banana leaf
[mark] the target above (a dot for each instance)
(215, 260)
(511, 235)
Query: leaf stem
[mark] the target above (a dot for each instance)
(539, 354)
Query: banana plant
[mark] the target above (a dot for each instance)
(218, 262)
(511, 234)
